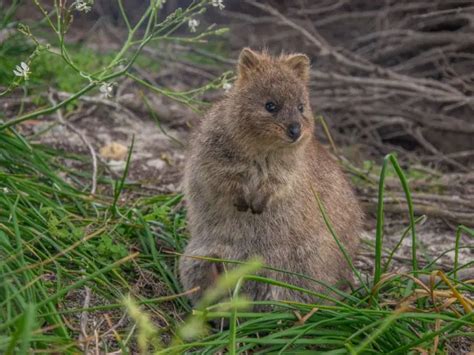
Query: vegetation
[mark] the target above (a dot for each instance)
(67, 255)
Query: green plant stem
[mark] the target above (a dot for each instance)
(341, 247)
(380, 217)
(459, 231)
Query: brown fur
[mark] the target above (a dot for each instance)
(249, 188)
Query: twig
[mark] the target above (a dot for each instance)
(430, 210)
(84, 140)
(83, 337)
(445, 12)
(302, 319)
(405, 260)
(419, 84)
(431, 148)
(113, 327)
(96, 336)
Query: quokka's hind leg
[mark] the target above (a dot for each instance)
(198, 273)
(257, 291)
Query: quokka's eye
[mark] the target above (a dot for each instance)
(301, 108)
(271, 106)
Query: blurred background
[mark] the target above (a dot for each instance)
(387, 76)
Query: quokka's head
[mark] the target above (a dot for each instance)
(271, 98)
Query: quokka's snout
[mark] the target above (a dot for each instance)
(294, 131)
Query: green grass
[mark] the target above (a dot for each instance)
(55, 240)
(428, 179)
(50, 70)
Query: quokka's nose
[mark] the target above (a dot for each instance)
(294, 131)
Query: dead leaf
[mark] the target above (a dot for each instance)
(114, 151)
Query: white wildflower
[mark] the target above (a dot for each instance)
(218, 3)
(5, 190)
(193, 23)
(160, 4)
(106, 90)
(22, 70)
(83, 5)
(117, 165)
(227, 86)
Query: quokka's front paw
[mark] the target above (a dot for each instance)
(241, 205)
(259, 204)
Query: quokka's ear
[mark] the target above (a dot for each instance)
(300, 64)
(248, 60)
